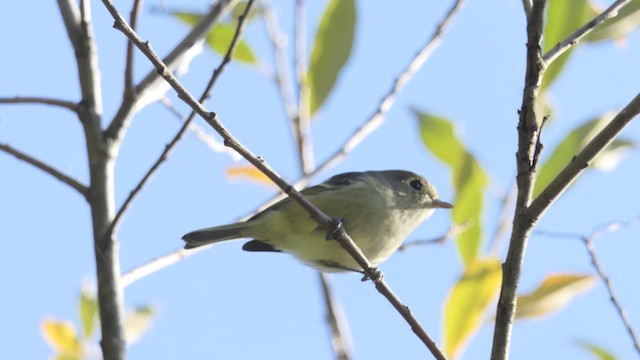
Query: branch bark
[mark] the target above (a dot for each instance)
(101, 170)
(528, 133)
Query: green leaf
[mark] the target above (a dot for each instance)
(331, 49)
(574, 143)
(137, 322)
(469, 299)
(220, 37)
(469, 180)
(615, 29)
(598, 352)
(563, 18)
(554, 293)
(88, 311)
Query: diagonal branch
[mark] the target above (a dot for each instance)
(333, 226)
(574, 38)
(73, 183)
(581, 161)
(40, 100)
(172, 144)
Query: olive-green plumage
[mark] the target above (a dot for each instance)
(380, 209)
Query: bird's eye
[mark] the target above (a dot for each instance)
(416, 184)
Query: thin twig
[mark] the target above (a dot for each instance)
(68, 180)
(340, 339)
(333, 226)
(574, 38)
(282, 68)
(40, 100)
(128, 72)
(453, 231)
(385, 104)
(588, 240)
(171, 145)
(528, 132)
(209, 140)
(302, 122)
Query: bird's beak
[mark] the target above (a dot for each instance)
(439, 204)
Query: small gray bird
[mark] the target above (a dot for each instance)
(380, 209)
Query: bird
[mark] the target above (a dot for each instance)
(379, 209)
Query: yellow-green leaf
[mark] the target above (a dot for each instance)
(555, 292)
(331, 49)
(598, 352)
(137, 322)
(249, 172)
(220, 37)
(61, 336)
(469, 179)
(573, 143)
(469, 299)
(88, 311)
(626, 21)
(563, 18)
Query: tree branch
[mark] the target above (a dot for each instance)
(333, 226)
(68, 180)
(39, 100)
(340, 339)
(528, 132)
(128, 72)
(574, 38)
(302, 120)
(101, 155)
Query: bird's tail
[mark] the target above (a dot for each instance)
(214, 234)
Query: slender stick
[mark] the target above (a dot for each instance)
(73, 183)
(39, 100)
(128, 72)
(574, 38)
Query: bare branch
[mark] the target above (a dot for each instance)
(340, 337)
(333, 226)
(128, 72)
(582, 161)
(528, 132)
(73, 183)
(39, 100)
(282, 68)
(101, 155)
(454, 230)
(169, 147)
(378, 117)
(301, 123)
(526, 4)
(156, 264)
(588, 241)
(574, 38)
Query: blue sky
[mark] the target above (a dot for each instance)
(228, 304)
